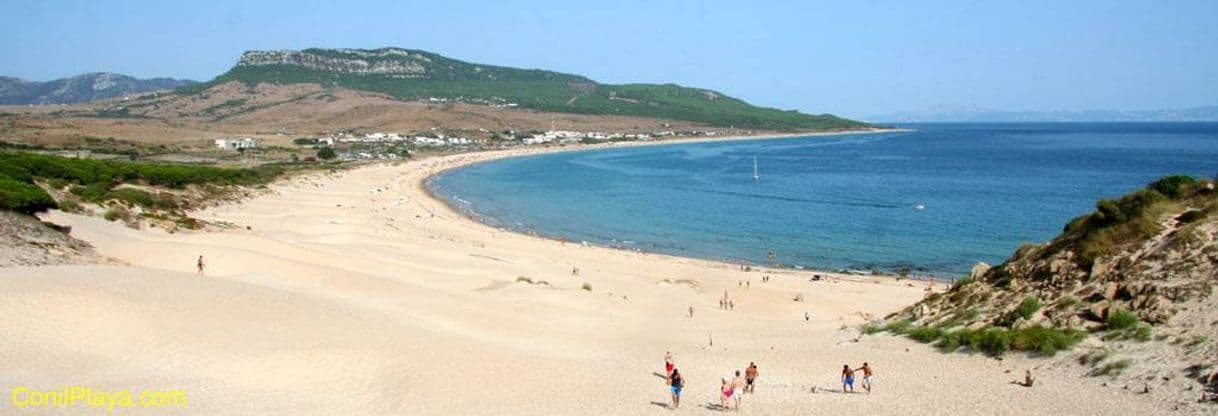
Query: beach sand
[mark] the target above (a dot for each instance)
(345, 295)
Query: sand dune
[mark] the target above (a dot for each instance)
(346, 296)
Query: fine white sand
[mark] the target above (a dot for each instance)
(346, 296)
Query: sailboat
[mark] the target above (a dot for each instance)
(755, 175)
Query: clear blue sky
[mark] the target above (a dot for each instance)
(853, 58)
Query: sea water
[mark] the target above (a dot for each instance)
(933, 201)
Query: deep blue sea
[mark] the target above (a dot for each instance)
(836, 202)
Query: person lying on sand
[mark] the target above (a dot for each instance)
(847, 379)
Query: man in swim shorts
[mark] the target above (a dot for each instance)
(847, 379)
(750, 376)
(737, 389)
(866, 369)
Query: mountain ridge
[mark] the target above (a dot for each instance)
(408, 74)
(87, 87)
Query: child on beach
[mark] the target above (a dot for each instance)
(725, 394)
(668, 363)
(200, 264)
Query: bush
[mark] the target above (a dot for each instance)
(992, 341)
(112, 215)
(23, 197)
(1028, 307)
(70, 206)
(1067, 301)
(587, 286)
(899, 327)
(1120, 319)
(1109, 212)
(926, 334)
(1173, 186)
(951, 341)
(326, 153)
(1044, 341)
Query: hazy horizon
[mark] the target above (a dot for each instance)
(856, 60)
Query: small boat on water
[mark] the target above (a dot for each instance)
(919, 207)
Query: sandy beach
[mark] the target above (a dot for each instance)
(358, 293)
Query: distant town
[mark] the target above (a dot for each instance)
(381, 145)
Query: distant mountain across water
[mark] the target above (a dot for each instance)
(81, 88)
(981, 115)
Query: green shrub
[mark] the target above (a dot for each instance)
(869, 329)
(1109, 212)
(1044, 341)
(70, 206)
(112, 215)
(57, 183)
(899, 327)
(1120, 319)
(1067, 301)
(1173, 186)
(1028, 307)
(23, 197)
(926, 334)
(951, 341)
(326, 153)
(587, 286)
(992, 341)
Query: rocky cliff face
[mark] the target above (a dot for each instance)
(1153, 263)
(1137, 275)
(398, 63)
(81, 88)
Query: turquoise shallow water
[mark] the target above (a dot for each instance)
(836, 202)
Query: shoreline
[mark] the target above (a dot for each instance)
(359, 279)
(497, 155)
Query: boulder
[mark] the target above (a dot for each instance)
(1110, 290)
(1099, 310)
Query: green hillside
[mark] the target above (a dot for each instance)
(415, 75)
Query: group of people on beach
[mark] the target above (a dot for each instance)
(730, 392)
(726, 303)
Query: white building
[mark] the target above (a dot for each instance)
(237, 143)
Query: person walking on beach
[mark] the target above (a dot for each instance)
(691, 311)
(847, 379)
(675, 384)
(866, 369)
(750, 378)
(200, 264)
(738, 389)
(725, 394)
(669, 365)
